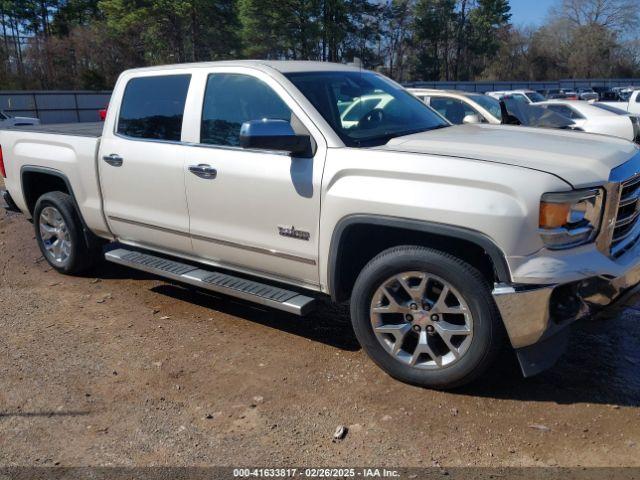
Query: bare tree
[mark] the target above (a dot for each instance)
(397, 31)
(620, 16)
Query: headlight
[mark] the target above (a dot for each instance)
(570, 219)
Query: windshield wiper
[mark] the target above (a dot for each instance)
(411, 132)
(385, 138)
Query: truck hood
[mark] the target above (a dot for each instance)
(581, 159)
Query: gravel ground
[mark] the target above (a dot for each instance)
(120, 368)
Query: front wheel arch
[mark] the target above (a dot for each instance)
(358, 238)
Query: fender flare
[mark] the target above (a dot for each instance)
(54, 173)
(473, 236)
(46, 171)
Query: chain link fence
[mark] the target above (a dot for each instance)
(570, 84)
(55, 106)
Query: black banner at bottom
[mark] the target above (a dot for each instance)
(223, 473)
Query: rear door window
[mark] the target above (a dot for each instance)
(153, 107)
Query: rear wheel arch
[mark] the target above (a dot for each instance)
(347, 255)
(37, 181)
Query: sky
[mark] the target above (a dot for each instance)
(530, 12)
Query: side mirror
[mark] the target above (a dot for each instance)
(269, 134)
(472, 118)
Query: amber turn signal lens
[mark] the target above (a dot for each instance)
(554, 215)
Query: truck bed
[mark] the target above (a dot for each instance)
(93, 130)
(68, 151)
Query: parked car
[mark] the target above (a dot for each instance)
(610, 96)
(635, 119)
(517, 111)
(531, 96)
(553, 93)
(570, 95)
(7, 120)
(601, 90)
(466, 107)
(629, 102)
(241, 178)
(461, 107)
(587, 94)
(594, 119)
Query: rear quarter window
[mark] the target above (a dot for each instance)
(153, 107)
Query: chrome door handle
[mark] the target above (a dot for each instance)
(203, 171)
(114, 160)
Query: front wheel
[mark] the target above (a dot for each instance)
(426, 317)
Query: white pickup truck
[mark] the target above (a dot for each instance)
(632, 105)
(245, 178)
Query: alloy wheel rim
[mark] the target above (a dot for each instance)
(55, 235)
(421, 320)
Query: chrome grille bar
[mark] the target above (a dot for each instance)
(626, 231)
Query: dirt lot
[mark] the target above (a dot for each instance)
(118, 368)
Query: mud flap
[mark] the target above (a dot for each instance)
(7, 202)
(540, 356)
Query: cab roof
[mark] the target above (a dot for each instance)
(282, 66)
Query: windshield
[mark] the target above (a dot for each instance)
(488, 103)
(611, 109)
(535, 97)
(364, 108)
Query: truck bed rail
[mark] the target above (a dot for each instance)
(77, 129)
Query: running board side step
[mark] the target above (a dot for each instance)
(256, 292)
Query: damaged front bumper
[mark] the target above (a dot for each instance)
(552, 288)
(536, 316)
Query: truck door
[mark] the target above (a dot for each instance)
(141, 163)
(256, 210)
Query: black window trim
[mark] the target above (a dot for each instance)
(205, 145)
(152, 140)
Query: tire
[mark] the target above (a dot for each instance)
(56, 211)
(387, 334)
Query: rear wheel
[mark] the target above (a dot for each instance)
(60, 234)
(426, 317)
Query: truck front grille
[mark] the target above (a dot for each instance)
(627, 227)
